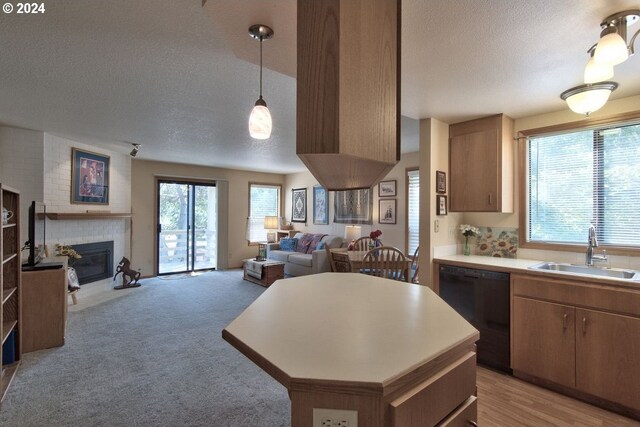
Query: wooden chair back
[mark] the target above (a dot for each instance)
(338, 260)
(415, 267)
(387, 262)
(362, 244)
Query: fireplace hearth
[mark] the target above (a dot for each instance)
(96, 262)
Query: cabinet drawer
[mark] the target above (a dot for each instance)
(430, 402)
(465, 415)
(580, 294)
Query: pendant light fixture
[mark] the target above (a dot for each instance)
(260, 118)
(585, 99)
(612, 47)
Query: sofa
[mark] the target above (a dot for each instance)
(302, 261)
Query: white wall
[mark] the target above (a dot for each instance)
(21, 160)
(392, 234)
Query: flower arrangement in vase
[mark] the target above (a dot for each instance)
(375, 236)
(468, 231)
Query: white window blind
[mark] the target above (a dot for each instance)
(264, 200)
(413, 211)
(585, 177)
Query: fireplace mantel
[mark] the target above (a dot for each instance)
(83, 215)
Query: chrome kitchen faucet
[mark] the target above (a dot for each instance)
(592, 243)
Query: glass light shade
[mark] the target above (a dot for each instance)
(352, 232)
(260, 122)
(595, 72)
(611, 50)
(589, 101)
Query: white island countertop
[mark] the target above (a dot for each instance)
(347, 327)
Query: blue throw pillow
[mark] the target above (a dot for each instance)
(320, 246)
(288, 244)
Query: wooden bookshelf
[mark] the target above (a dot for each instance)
(10, 286)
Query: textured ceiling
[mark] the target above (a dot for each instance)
(181, 79)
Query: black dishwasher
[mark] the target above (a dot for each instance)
(481, 297)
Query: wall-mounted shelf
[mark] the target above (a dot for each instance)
(83, 215)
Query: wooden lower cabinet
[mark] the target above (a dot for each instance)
(608, 356)
(592, 353)
(544, 342)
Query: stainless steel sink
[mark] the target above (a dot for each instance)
(615, 273)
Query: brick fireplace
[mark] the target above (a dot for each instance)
(96, 262)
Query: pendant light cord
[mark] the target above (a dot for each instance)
(260, 67)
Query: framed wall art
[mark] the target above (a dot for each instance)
(441, 205)
(387, 188)
(299, 205)
(320, 205)
(353, 207)
(441, 182)
(387, 211)
(89, 177)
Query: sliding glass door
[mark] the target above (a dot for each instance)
(187, 226)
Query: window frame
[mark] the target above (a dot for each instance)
(580, 125)
(264, 184)
(406, 192)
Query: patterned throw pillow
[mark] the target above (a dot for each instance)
(288, 244)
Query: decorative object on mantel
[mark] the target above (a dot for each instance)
(468, 231)
(124, 267)
(89, 177)
(497, 242)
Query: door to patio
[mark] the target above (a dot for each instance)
(187, 226)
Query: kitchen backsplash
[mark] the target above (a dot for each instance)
(497, 242)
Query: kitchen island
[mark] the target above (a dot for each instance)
(387, 353)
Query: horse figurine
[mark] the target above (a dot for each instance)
(124, 267)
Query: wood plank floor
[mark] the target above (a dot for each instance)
(507, 401)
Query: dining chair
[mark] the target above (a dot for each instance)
(415, 266)
(338, 260)
(387, 262)
(362, 243)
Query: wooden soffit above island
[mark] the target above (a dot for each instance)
(348, 90)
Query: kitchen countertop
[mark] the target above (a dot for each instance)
(347, 327)
(519, 265)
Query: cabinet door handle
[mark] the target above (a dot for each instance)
(564, 321)
(472, 423)
(584, 325)
(490, 198)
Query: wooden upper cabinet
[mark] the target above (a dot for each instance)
(481, 165)
(348, 90)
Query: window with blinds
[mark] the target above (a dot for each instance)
(585, 177)
(264, 200)
(413, 210)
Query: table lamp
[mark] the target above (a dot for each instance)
(271, 223)
(352, 232)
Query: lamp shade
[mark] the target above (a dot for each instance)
(595, 72)
(611, 50)
(260, 122)
(352, 232)
(271, 222)
(585, 99)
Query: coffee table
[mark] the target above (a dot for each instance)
(271, 271)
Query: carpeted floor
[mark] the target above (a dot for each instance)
(154, 357)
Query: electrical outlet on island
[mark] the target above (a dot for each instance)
(334, 418)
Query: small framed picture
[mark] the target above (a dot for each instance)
(299, 205)
(441, 205)
(387, 188)
(320, 205)
(441, 182)
(387, 211)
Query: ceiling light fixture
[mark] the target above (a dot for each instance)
(612, 48)
(136, 148)
(260, 118)
(587, 98)
(596, 72)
